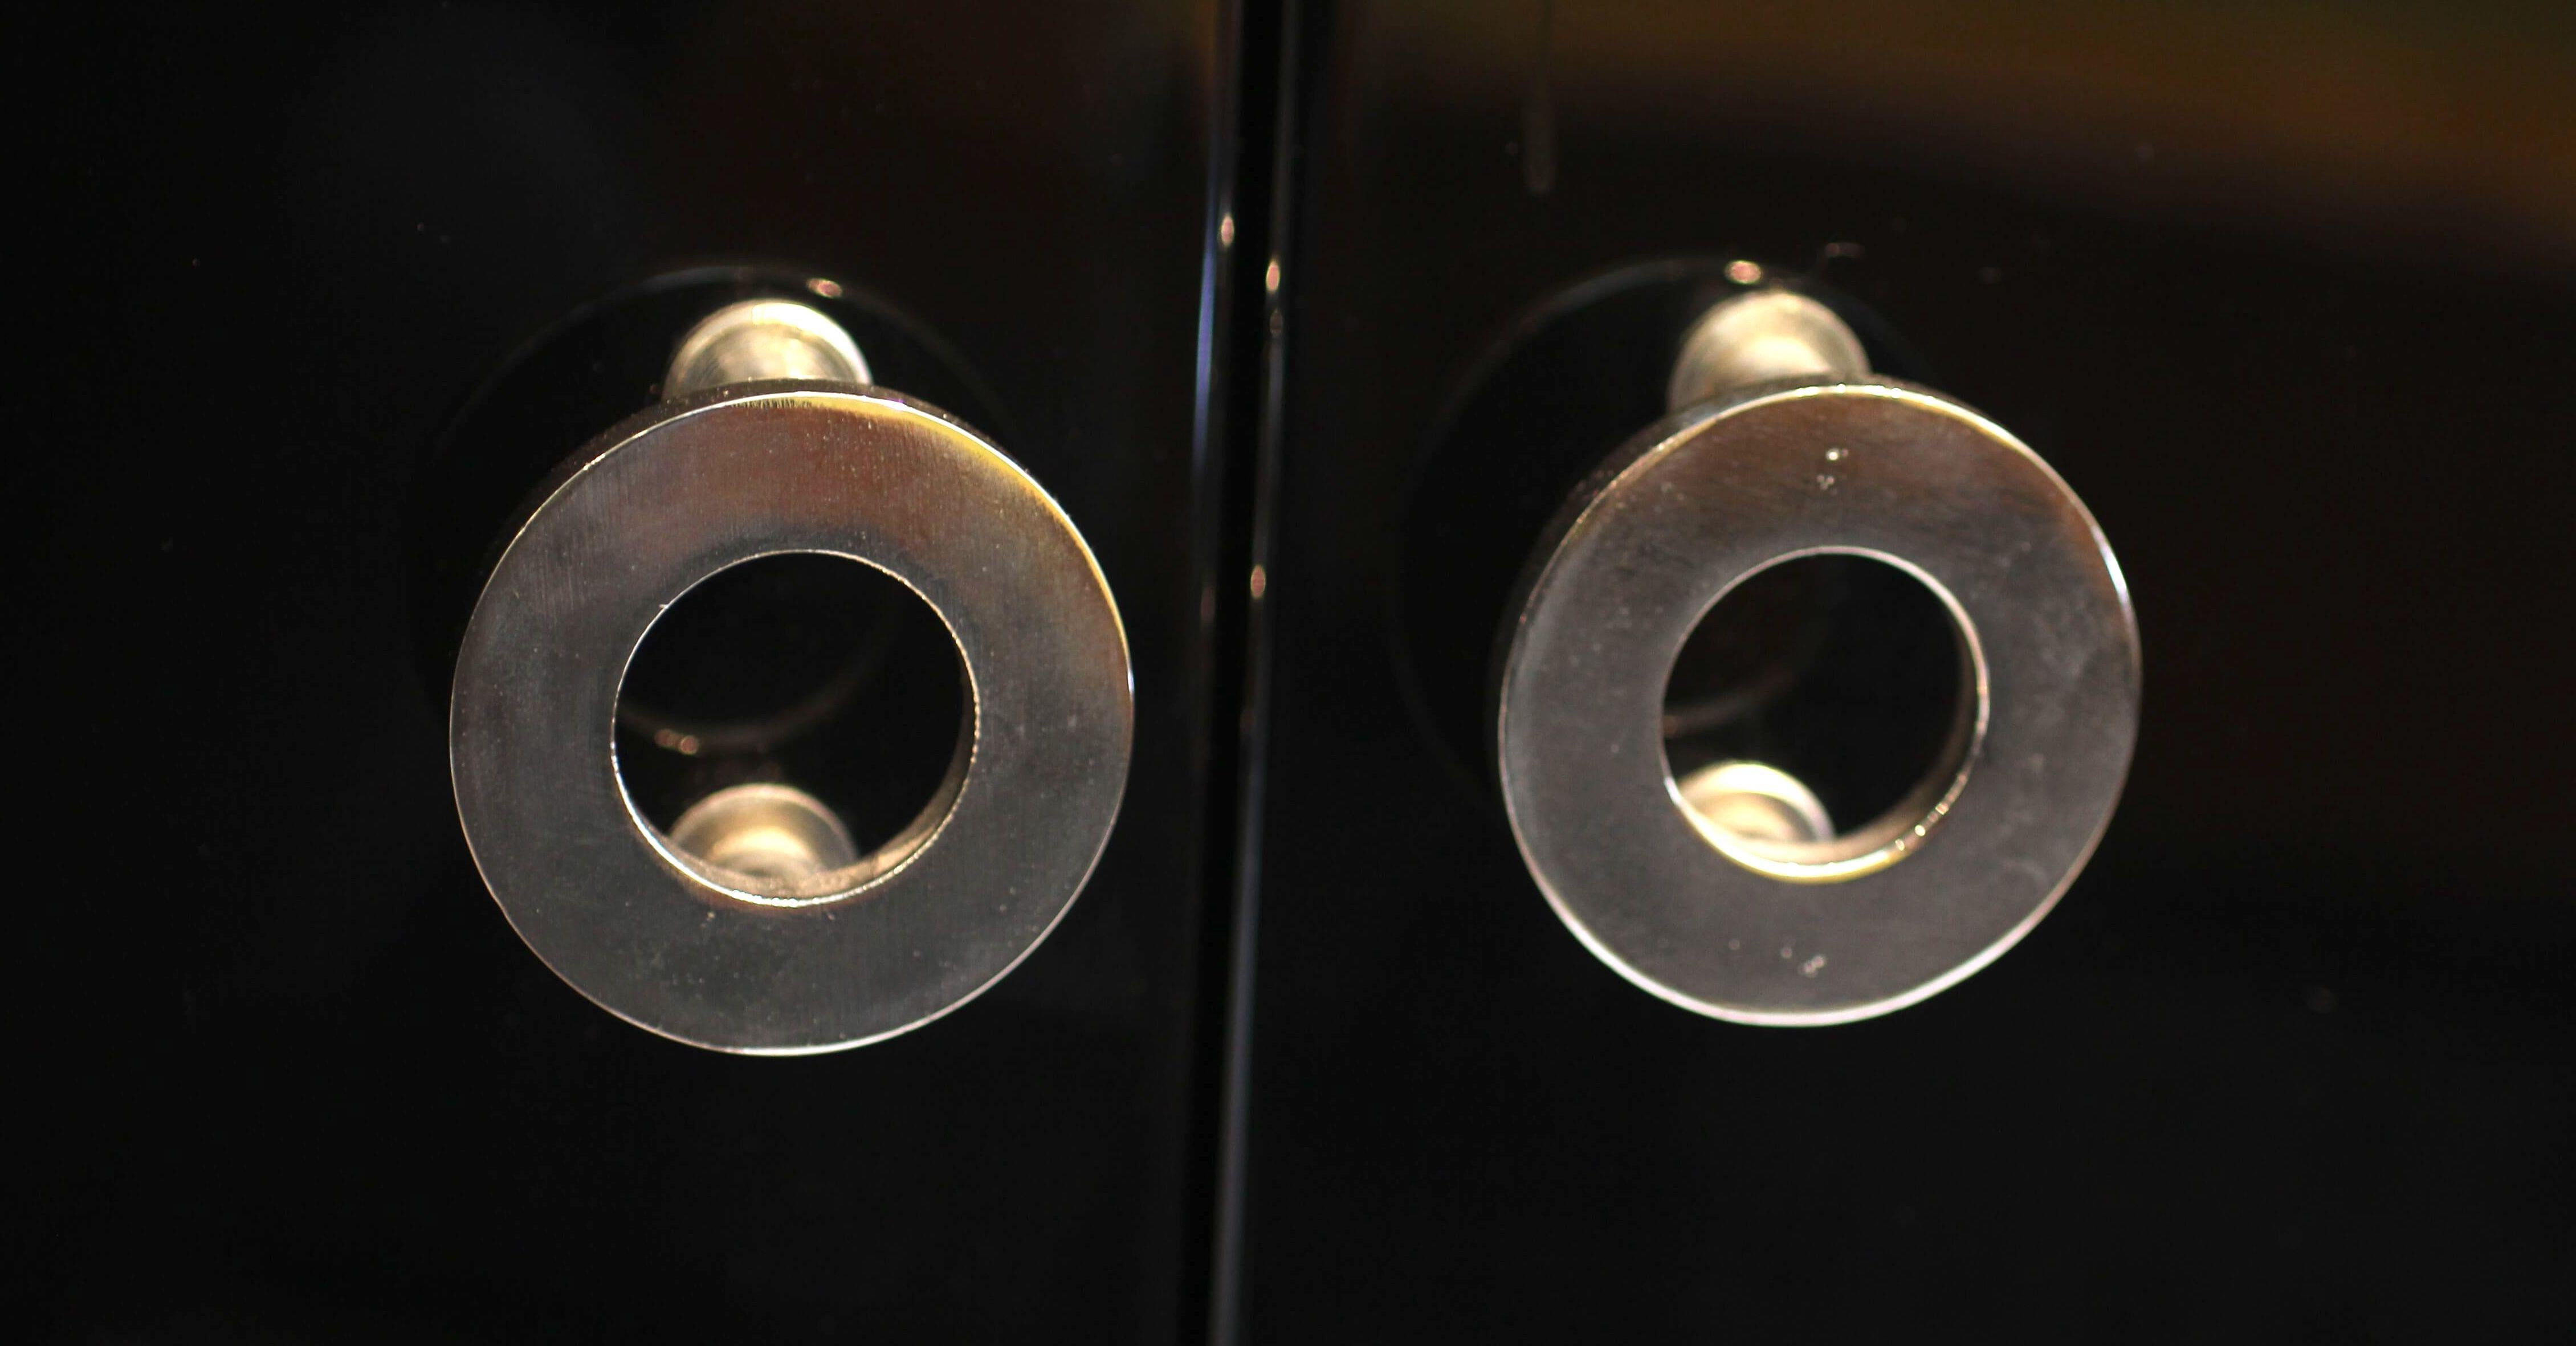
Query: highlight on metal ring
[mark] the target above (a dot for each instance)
(754, 923)
(1728, 886)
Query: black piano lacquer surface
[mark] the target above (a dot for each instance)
(2285, 291)
(2290, 1059)
(303, 1082)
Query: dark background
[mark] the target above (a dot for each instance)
(2286, 290)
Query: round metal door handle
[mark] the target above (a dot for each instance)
(1820, 458)
(779, 962)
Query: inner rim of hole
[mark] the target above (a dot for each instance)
(805, 714)
(1823, 713)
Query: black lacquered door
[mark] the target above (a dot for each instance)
(1309, 316)
(2289, 1059)
(304, 1083)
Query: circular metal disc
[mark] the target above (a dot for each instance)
(1671, 522)
(659, 504)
